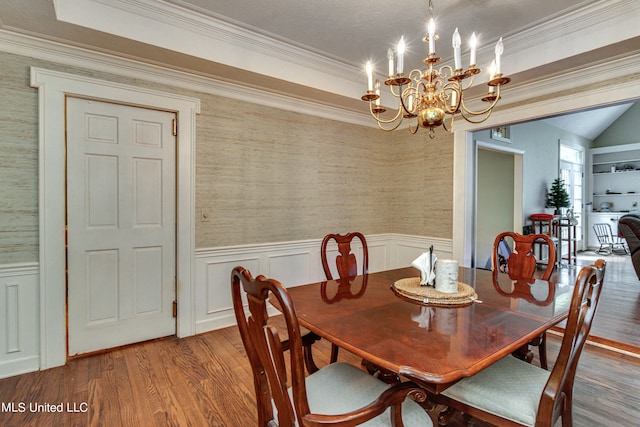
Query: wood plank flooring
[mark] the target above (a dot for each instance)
(617, 321)
(205, 380)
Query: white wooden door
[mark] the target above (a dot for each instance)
(121, 207)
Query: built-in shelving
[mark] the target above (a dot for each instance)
(615, 185)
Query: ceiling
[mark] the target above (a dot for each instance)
(342, 33)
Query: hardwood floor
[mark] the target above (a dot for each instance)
(205, 380)
(617, 321)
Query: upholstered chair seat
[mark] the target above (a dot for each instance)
(357, 389)
(510, 388)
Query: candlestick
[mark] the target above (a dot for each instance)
(369, 69)
(401, 48)
(456, 42)
(473, 44)
(432, 36)
(499, 50)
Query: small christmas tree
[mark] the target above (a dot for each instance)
(557, 196)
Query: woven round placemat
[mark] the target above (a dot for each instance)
(411, 288)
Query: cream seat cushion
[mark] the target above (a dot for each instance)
(340, 387)
(510, 388)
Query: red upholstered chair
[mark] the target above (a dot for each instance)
(515, 393)
(520, 264)
(338, 394)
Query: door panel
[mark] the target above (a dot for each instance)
(121, 224)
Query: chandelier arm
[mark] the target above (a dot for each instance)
(392, 128)
(481, 112)
(469, 84)
(454, 87)
(414, 131)
(444, 124)
(417, 75)
(474, 121)
(404, 107)
(442, 74)
(392, 90)
(385, 121)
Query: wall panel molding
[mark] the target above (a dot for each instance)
(19, 326)
(292, 263)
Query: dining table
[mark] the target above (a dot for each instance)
(427, 341)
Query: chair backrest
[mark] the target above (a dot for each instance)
(264, 349)
(558, 390)
(603, 233)
(522, 263)
(346, 261)
(266, 354)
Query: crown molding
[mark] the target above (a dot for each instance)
(582, 30)
(60, 53)
(189, 32)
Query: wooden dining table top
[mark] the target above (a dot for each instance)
(433, 345)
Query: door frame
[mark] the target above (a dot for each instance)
(53, 87)
(620, 89)
(518, 188)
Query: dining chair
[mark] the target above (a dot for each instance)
(338, 393)
(346, 263)
(520, 261)
(521, 265)
(512, 392)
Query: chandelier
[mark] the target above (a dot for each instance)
(433, 97)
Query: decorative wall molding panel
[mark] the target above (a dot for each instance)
(293, 264)
(19, 324)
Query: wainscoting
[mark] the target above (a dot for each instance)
(19, 324)
(292, 263)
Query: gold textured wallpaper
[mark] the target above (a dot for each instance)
(262, 174)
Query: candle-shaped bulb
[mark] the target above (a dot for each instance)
(492, 70)
(492, 73)
(457, 56)
(390, 58)
(378, 92)
(401, 47)
(432, 35)
(473, 45)
(369, 69)
(499, 51)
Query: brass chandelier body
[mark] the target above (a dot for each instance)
(433, 97)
